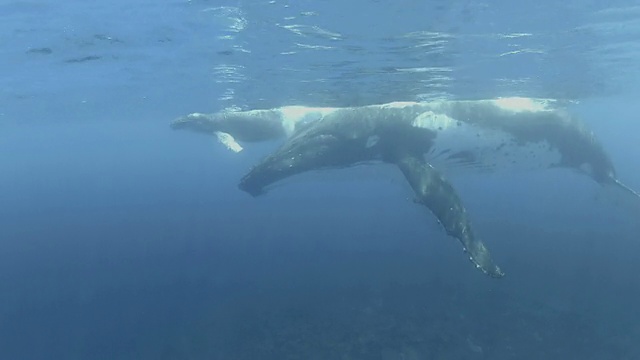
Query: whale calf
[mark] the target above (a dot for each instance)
(419, 138)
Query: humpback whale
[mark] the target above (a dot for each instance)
(419, 138)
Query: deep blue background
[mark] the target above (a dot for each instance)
(122, 239)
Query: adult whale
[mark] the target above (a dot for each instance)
(483, 134)
(353, 136)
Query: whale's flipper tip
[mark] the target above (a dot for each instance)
(496, 273)
(479, 255)
(493, 271)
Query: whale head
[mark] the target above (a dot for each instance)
(250, 126)
(196, 122)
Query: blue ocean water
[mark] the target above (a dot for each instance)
(123, 239)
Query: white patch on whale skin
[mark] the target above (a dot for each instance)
(433, 121)
(228, 141)
(292, 116)
(372, 141)
(398, 104)
(522, 104)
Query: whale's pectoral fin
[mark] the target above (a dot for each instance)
(228, 141)
(297, 155)
(436, 193)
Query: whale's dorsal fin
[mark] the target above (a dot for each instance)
(438, 195)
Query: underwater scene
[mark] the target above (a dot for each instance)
(319, 180)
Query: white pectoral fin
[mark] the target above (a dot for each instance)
(228, 141)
